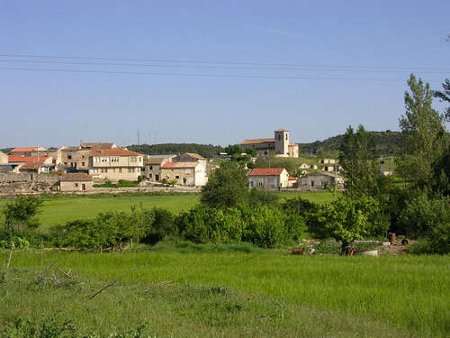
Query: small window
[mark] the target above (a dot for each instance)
(75, 185)
(177, 177)
(69, 157)
(120, 170)
(83, 163)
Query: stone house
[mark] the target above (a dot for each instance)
(280, 145)
(185, 173)
(320, 180)
(188, 169)
(31, 164)
(115, 164)
(268, 178)
(152, 166)
(72, 182)
(77, 158)
(29, 151)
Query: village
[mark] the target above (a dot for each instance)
(90, 166)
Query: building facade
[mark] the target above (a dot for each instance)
(73, 182)
(115, 164)
(280, 145)
(268, 178)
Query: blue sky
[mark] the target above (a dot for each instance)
(211, 71)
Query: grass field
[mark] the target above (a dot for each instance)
(169, 292)
(61, 209)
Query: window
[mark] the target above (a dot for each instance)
(69, 157)
(75, 185)
(83, 164)
(177, 177)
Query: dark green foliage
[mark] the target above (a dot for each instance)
(441, 174)
(163, 226)
(261, 225)
(206, 150)
(422, 213)
(306, 210)
(347, 220)
(204, 224)
(265, 227)
(22, 212)
(429, 218)
(227, 187)
(423, 135)
(119, 184)
(385, 143)
(444, 96)
(233, 149)
(262, 197)
(360, 168)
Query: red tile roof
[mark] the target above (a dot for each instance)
(26, 149)
(266, 172)
(178, 165)
(114, 152)
(26, 159)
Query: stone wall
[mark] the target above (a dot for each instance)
(12, 183)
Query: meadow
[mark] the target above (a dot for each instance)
(186, 292)
(60, 209)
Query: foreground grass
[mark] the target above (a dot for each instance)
(260, 293)
(61, 209)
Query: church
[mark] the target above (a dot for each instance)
(279, 145)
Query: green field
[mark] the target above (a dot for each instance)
(61, 209)
(175, 293)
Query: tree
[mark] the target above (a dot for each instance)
(423, 135)
(444, 96)
(360, 168)
(347, 220)
(22, 212)
(227, 187)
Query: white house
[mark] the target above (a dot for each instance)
(268, 178)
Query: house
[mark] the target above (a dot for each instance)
(279, 145)
(185, 173)
(3, 158)
(77, 158)
(268, 178)
(115, 164)
(321, 180)
(152, 166)
(98, 145)
(332, 168)
(29, 151)
(328, 161)
(72, 182)
(33, 164)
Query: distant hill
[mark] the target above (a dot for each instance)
(206, 150)
(385, 143)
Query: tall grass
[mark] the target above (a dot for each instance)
(261, 293)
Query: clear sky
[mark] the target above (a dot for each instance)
(211, 71)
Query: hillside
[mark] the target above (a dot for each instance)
(383, 143)
(206, 150)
